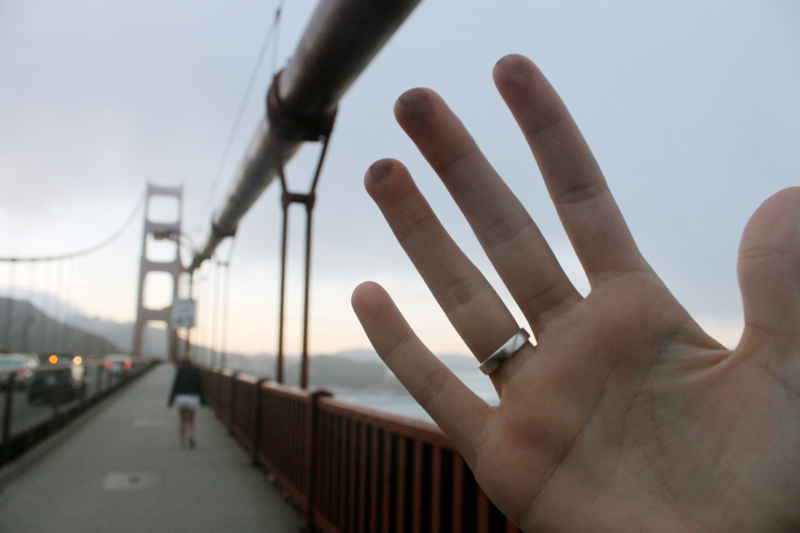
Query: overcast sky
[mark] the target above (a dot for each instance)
(691, 108)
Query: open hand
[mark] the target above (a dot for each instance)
(625, 416)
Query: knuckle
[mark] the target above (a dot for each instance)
(457, 293)
(508, 228)
(451, 164)
(581, 191)
(432, 385)
(422, 223)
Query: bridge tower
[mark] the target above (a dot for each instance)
(159, 231)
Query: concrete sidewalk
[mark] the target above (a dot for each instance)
(123, 470)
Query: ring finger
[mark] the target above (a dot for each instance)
(471, 304)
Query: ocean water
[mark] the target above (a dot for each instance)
(464, 367)
(404, 404)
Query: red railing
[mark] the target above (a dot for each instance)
(350, 468)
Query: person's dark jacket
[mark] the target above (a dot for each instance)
(187, 381)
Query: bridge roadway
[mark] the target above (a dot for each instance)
(120, 468)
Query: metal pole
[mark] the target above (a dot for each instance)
(215, 316)
(313, 455)
(29, 308)
(259, 409)
(279, 369)
(310, 201)
(60, 307)
(225, 300)
(26, 333)
(9, 307)
(304, 361)
(70, 271)
(8, 411)
(48, 325)
(189, 330)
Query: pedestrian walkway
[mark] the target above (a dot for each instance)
(122, 470)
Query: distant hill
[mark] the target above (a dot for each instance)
(24, 328)
(154, 343)
(360, 369)
(77, 333)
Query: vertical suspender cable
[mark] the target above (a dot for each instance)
(98, 301)
(29, 318)
(68, 307)
(223, 363)
(198, 275)
(215, 313)
(282, 296)
(59, 306)
(207, 319)
(9, 307)
(225, 305)
(188, 344)
(47, 327)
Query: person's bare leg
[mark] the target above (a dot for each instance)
(190, 427)
(186, 424)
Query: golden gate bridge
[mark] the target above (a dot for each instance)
(344, 467)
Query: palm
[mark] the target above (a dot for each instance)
(656, 423)
(626, 416)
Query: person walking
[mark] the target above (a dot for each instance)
(187, 396)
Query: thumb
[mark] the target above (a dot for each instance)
(769, 268)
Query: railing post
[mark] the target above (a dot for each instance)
(232, 406)
(312, 453)
(208, 386)
(82, 394)
(213, 379)
(257, 419)
(216, 385)
(458, 493)
(8, 410)
(58, 388)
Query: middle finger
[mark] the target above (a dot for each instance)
(514, 244)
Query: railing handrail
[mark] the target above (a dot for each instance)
(247, 378)
(410, 427)
(427, 432)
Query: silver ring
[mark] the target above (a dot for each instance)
(505, 352)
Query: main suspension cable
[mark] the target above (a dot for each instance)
(273, 29)
(85, 251)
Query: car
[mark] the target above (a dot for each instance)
(118, 363)
(62, 380)
(20, 364)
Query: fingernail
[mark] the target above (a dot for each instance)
(414, 104)
(380, 170)
(514, 70)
